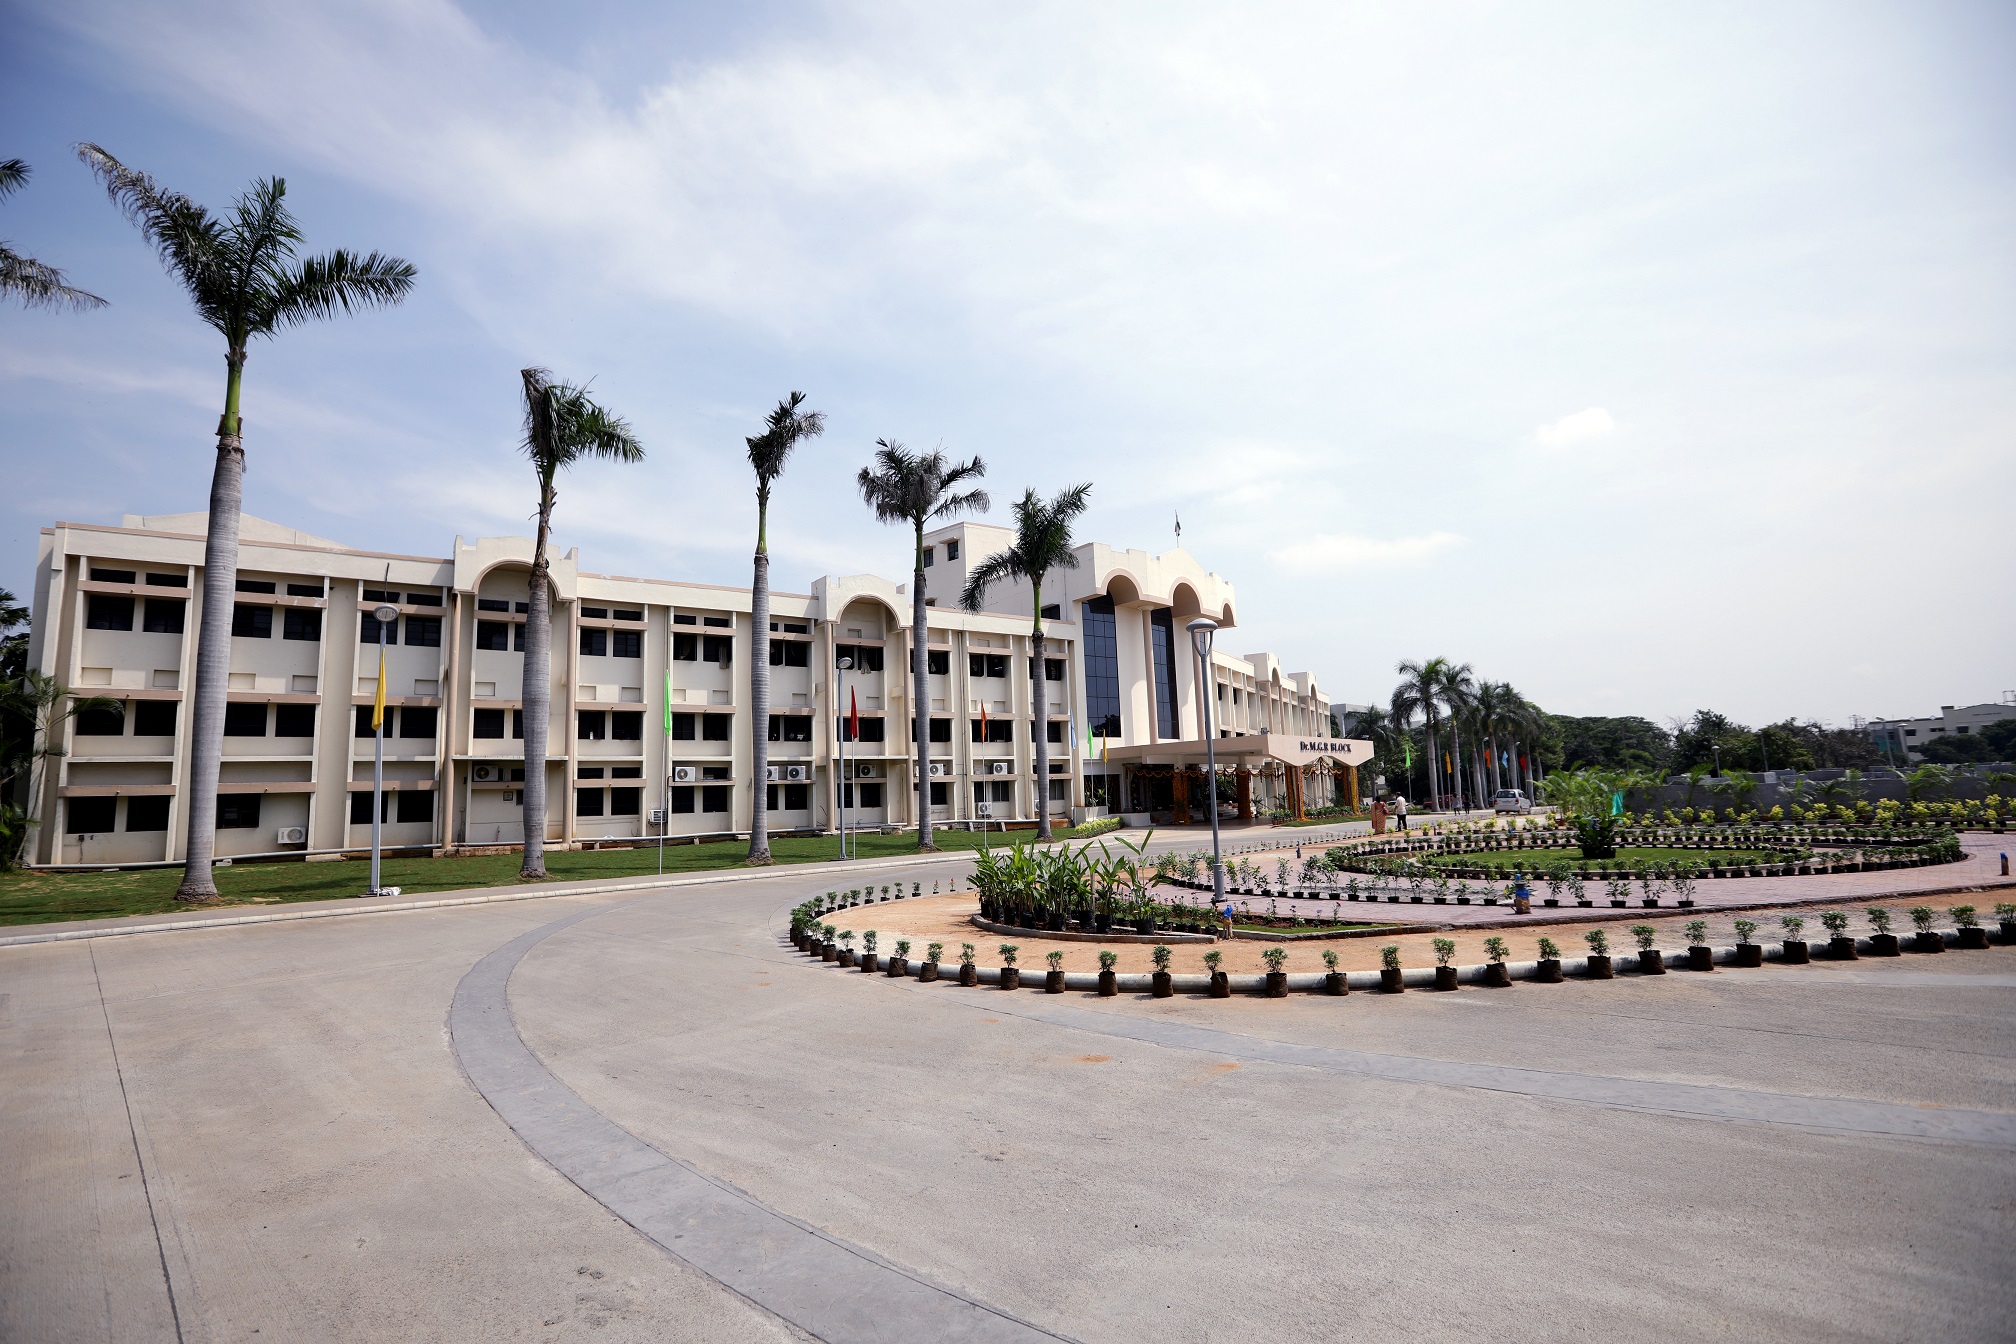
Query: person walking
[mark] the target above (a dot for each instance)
(1378, 816)
(1400, 809)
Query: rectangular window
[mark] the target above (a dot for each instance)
(492, 635)
(717, 620)
(1060, 790)
(871, 795)
(363, 728)
(588, 802)
(941, 793)
(424, 599)
(625, 802)
(244, 720)
(713, 772)
(951, 550)
(997, 730)
(237, 811)
(418, 721)
(683, 618)
(102, 722)
(1055, 732)
(588, 772)
(167, 580)
(714, 727)
(938, 662)
(595, 643)
(930, 554)
(293, 720)
(1162, 636)
(790, 728)
(301, 589)
(153, 718)
(102, 611)
(685, 648)
(626, 772)
(628, 614)
(1053, 611)
(258, 586)
(717, 649)
(682, 799)
(165, 615)
(941, 730)
(1053, 669)
(492, 604)
(1102, 667)
(626, 725)
(682, 727)
(90, 816)
(360, 808)
(251, 622)
(626, 643)
(591, 725)
(367, 630)
(867, 657)
(299, 623)
(112, 576)
(714, 798)
(1004, 791)
(423, 632)
(147, 814)
(415, 805)
(595, 613)
(488, 723)
(382, 595)
(987, 665)
(797, 797)
(790, 653)
(518, 731)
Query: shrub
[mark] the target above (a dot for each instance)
(966, 951)
(903, 948)
(1274, 956)
(1056, 960)
(1793, 926)
(846, 938)
(1963, 917)
(1697, 931)
(1211, 960)
(826, 932)
(1922, 916)
(1646, 936)
(1008, 952)
(2005, 910)
(1599, 942)
(1330, 959)
(1835, 920)
(1445, 948)
(1161, 955)
(868, 941)
(1108, 960)
(1744, 928)
(933, 952)
(1494, 948)
(1389, 957)
(1879, 919)
(1549, 950)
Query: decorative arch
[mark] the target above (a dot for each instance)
(1123, 588)
(1226, 618)
(524, 566)
(896, 618)
(1184, 602)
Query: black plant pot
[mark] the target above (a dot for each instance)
(829, 952)
(1496, 976)
(871, 963)
(969, 974)
(1585, 903)
(898, 966)
(1162, 985)
(1053, 982)
(1221, 985)
(1109, 984)
(1334, 984)
(1928, 941)
(1749, 954)
(1616, 904)
(927, 972)
(1011, 977)
(1796, 954)
(1056, 921)
(798, 938)
(1445, 977)
(846, 956)
(1651, 961)
(1275, 986)
(1973, 937)
(1600, 969)
(1144, 926)
(1649, 901)
(1841, 948)
(2008, 927)
(1392, 980)
(1883, 945)
(1700, 958)
(1548, 971)
(1550, 902)
(1105, 924)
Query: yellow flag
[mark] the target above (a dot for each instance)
(378, 700)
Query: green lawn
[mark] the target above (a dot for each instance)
(1531, 859)
(41, 897)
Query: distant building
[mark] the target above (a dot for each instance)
(1903, 739)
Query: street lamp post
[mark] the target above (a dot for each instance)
(840, 732)
(386, 614)
(1201, 631)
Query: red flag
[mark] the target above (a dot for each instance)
(983, 720)
(853, 717)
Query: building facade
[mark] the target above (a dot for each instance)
(649, 729)
(1902, 739)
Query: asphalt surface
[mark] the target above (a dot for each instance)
(505, 1121)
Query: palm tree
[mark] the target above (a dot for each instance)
(40, 704)
(1456, 689)
(914, 488)
(1420, 692)
(562, 427)
(35, 283)
(243, 275)
(768, 451)
(1042, 543)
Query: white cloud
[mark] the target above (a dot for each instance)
(1579, 428)
(1341, 551)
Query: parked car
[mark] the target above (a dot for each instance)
(1511, 800)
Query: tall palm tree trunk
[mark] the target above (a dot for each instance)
(920, 691)
(1039, 701)
(537, 693)
(759, 692)
(213, 644)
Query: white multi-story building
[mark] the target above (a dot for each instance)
(649, 693)
(1903, 738)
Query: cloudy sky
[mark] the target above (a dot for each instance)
(1646, 356)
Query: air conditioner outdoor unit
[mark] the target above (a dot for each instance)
(483, 773)
(291, 835)
(657, 817)
(940, 769)
(773, 773)
(797, 773)
(867, 772)
(1000, 767)
(685, 774)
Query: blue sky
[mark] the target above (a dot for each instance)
(1647, 357)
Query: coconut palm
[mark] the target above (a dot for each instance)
(243, 276)
(914, 488)
(1042, 543)
(562, 427)
(1420, 692)
(786, 427)
(35, 283)
(40, 704)
(1456, 688)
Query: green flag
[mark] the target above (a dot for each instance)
(668, 702)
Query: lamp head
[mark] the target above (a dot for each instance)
(1201, 629)
(843, 663)
(386, 613)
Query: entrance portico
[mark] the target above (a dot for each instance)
(1161, 776)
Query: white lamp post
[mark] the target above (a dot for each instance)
(386, 615)
(1201, 631)
(840, 789)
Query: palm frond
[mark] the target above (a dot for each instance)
(1042, 543)
(39, 285)
(189, 243)
(13, 175)
(783, 429)
(321, 287)
(563, 425)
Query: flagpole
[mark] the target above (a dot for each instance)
(385, 615)
(665, 775)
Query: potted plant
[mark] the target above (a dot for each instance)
(1053, 979)
(1495, 974)
(1333, 979)
(929, 970)
(1651, 961)
(1882, 942)
(1795, 947)
(900, 963)
(1972, 935)
(1161, 985)
(870, 963)
(1445, 974)
(1276, 986)
(1928, 939)
(1840, 943)
(828, 949)
(1221, 983)
(846, 947)
(2005, 914)
(1109, 983)
(1011, 974)
(1599, 955)
(969, 974)
(1700, 956)
(1747, 952)
(1391, 978)
(1548, 971)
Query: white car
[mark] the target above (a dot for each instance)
(1511, 800)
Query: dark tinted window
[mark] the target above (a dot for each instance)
(867, 657)
(89, 815)
(717, 648)
(871, 730)
(423, 599)
(258, 586)
(626, 614)
(790, 653)
(938, 662)
(595, 643)
(1162, 644)
(251, 622)
(167, 581)
(717, 620)
(681, 618)
(997, 730)
(154, 718)
(165, 615)
(591, 725)
(364, 720)
(304, 590)
(682, 727)
(493, 635)
(293, 720)
(595, 613)
(103, 611)
(488, 723)
(147, 814)
(360, 808)
(112, 576)
(941, 730)
(367, 630)
(1053, 669)
(302, 623)
(682, 799)
(626, 725)
(423, 631)
(244, 720)
(626, 772)
(1102, 667)
(418, 720)
(714, 798)
(714, 727)
(1055, 732)
(102, 722)
(492, 604)
(382, 595)
(685, 648)
(237, 811)
(625, 802)
(790, 728)
(626, 643)
(415, 804)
